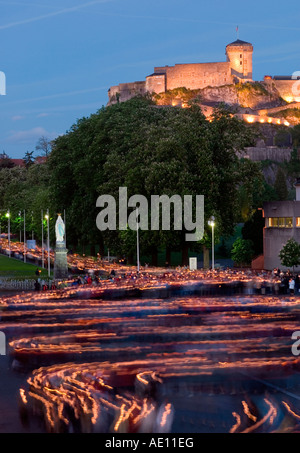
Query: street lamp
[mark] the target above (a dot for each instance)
(137, 241)
(8, 231)
(48, 241)
(43, 260)
(211, 223)
(24, 237)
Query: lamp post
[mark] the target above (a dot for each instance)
(20, 215)
(24, 239)
(48, 241)
(8, 231)
(137, 241)
(65, 228)
(43, 259)
(211, 223)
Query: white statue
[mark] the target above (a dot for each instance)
(60, 229)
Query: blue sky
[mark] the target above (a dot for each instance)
(61, 56)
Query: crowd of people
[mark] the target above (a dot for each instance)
(289, 282)
(251, 282)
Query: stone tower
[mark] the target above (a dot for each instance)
(239, 54)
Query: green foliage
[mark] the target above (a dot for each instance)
(177, 95)
(25, 189)
(5, 161)
(292, 167)
(287, 113)
(28, 159)
(252, 88)
(296, 135)
(150, 150)
(280, 185)
(283, 138)
(253, 230)
(242, 252)
(290, 254)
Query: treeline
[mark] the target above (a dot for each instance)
(150, 150)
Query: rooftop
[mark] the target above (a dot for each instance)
(239, 42)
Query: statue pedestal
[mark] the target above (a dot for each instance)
(60, 262)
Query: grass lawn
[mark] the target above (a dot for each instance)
(11, 267)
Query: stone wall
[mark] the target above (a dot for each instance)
(284, 88)
(196, 75)
(268, 153)
(156, 83)
(125, 91)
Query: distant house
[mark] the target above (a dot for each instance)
(40, 159)
(37, 160)
(18, 162)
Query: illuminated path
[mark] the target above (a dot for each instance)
(183, 364)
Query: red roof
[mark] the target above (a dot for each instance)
(18, 162)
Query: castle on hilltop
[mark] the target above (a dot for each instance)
(236, 69)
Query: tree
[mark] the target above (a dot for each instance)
(296, 135)
(150, 151)
(283, 138)
(290, 254)
(292, 166)
(253, 230)
(5, 161)
(280, 185)
(44, 145)
(242, 251)
(28, 158)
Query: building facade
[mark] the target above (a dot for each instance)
(282, 222)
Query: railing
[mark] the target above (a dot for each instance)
(10, 283)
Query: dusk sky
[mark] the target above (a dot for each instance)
(61, 57)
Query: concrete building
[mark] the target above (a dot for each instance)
(282, 222)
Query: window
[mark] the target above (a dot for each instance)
(282, 222)
(273, 222)
(298, 222)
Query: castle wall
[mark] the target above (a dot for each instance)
(285, 89)
(196, 75)
(156, 83)
(125, 91)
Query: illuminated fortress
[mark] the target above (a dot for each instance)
(196, 76)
